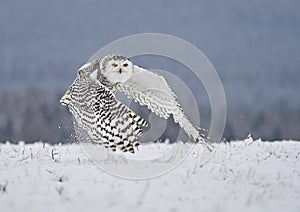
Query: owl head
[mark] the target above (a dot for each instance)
(116, 68)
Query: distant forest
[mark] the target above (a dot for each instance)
(37, 115)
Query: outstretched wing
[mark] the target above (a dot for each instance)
(152, 90)
(106, 120)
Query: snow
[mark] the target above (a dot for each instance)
(241, 176)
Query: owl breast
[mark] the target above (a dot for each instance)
(117, 76)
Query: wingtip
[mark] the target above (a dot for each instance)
(65, 100)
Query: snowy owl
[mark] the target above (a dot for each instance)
(105, 119)
(96, 83)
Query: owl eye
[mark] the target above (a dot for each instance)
(114, 65)
(125, 65)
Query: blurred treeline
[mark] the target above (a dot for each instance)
(35, 114)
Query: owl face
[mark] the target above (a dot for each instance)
(116, 68)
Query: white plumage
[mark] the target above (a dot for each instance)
(108, 121)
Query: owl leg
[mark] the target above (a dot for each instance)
(113, 88)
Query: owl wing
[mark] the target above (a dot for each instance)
(105, 119)
(152, 90)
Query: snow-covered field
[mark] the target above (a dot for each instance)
(241, 176)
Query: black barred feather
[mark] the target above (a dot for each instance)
(106, 120)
